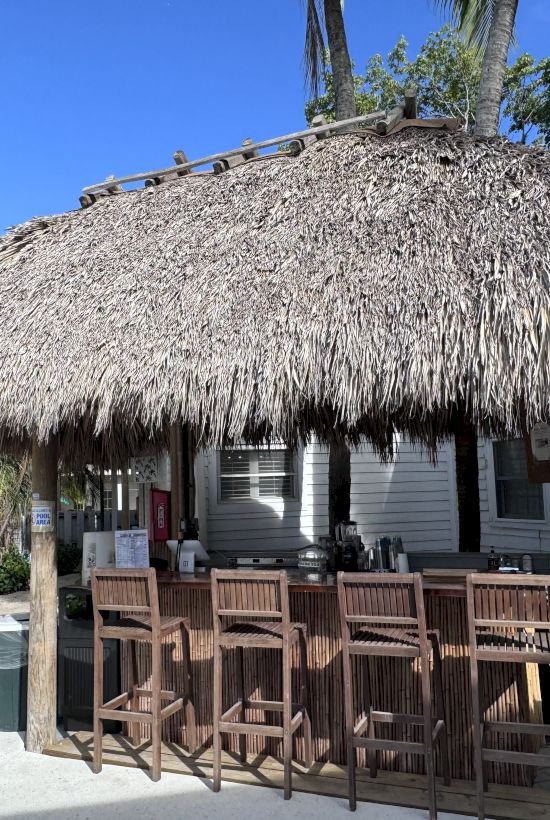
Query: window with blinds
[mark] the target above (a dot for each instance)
(516, 496)
(255, 474)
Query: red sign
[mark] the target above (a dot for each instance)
(159, 529)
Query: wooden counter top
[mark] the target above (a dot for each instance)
(298, 581)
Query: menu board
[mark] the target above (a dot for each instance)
(131, 549)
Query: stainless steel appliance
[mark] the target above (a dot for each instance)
(262, 559)
(313, 559)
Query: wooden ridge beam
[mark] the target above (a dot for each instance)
(385, 125)
(180, 167)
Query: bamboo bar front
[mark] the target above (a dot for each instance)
(510, 692)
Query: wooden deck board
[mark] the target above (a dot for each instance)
(507, 802)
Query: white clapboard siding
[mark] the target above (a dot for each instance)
(409, 497)
(281, 524)
(502, 535)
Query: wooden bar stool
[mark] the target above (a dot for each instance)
(133, 594)
(263, 597)
(383, 615)
(508, 621)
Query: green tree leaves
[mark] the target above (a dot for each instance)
(447, 74)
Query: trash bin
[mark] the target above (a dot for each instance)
(14, 649)
(75, 661)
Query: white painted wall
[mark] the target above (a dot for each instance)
(507, 535)
(409, 497)
(278, 524)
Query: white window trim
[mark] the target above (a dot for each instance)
(512, 523)
(214, 507)
(264, 499)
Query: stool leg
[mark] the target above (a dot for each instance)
(371, 753)
(190, 717)
(440, 712)
(304, 700)
(134, 728)
(350, 749)
(287, 716)
(98, 703)
(476, 736)
(217, 747)
(428, 742)
(156, 676)
(242, 695)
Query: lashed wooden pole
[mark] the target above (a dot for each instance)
(42, 679)
(176, 510)
(125, 497)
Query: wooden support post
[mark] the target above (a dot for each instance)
(102, 498)
(410, 107)
(175, 480)
(42, 675)
(125, 497)
(114, 498)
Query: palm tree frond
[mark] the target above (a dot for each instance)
(473, 18)
(314, 48)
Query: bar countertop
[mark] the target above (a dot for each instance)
(299, 581)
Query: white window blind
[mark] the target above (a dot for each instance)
(255, 474)
(516, 496)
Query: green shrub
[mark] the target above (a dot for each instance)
(15, 571)
(69, 557)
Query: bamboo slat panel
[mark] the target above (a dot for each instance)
(512, 691)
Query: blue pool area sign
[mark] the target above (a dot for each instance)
(42, 516)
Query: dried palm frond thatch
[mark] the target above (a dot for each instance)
(367, 284)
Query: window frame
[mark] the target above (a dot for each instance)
(510, 523)
(257, 498)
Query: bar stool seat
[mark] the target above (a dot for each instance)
(257, 595)
(260, 634)
(520, 646)
(387, 641)
(141, 628)
(133, 594)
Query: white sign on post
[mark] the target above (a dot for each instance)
(131, 549)
(42, 516)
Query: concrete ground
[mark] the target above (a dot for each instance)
(36, 787)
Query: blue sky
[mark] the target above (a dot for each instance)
(100, 87)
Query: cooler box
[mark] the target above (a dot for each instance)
(14, 649)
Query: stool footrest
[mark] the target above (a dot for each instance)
(119, 700)
(171, 708)
(166, 694)
(124, 715)
(518, 728)
(396, 717)
(519, 758)
(389, 745)
(251, 729)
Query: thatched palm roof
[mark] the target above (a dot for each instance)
(365, 283)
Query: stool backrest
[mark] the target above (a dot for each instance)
(502, 602)
(125, 591)
(384, 600)
(255, 594)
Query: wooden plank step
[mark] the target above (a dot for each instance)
(508, 803)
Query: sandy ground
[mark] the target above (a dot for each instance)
(48, 788)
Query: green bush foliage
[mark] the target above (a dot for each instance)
(69, 557)
(15, 571)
